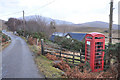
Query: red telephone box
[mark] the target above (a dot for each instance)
(94, 54)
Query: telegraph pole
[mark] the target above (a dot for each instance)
(110, 29)
(24, 22)
(110, 22)
(1, 25)
(14, 27)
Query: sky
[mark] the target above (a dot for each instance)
(76, 11)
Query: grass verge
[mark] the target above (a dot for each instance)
(44, 65)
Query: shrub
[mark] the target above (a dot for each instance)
(51, 57)
(70, 44)
(112, 52)
(62, 65)
(76, 73)
(38, 35)
(20, 32)
(30, 41)
(4, 38)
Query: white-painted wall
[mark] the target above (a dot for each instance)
(68, 36)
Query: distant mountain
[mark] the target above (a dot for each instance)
(47, 19)
(98, 24)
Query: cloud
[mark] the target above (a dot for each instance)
(77, 11)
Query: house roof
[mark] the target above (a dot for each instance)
(77, 36)
(52, 37)
(60, 34)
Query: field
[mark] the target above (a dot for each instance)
(114, 34)
(85, 29)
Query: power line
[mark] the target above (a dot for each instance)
(29, 12)
(11, 13)
(42, 6)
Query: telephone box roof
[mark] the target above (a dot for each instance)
(95, 33)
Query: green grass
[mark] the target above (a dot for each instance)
(46, 66)
(23, 38)
(33, 48)
(75, 60)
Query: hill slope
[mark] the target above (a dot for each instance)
(98, 24)
(47, 19)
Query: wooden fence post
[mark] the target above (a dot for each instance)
(42, 47)
(60, 51)
(37, 42)
(80, 55)
(27, 37)
(73, 57)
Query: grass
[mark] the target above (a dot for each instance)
(23, 38)
(75, 60)
(46, 66)
(33, 48)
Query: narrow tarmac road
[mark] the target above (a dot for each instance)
(17, 60)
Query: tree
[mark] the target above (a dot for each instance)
(113, 52)
(13, 23)
(52, 26)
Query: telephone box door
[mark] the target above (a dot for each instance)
(88, 48)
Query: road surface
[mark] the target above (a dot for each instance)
(17, 60)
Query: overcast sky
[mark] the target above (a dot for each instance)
(76, 11)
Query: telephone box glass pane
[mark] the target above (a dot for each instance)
(89, 37)
(98, 37)
(98, 54)
(88, 50)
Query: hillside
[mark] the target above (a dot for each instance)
(47, 19)
(97, 24)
